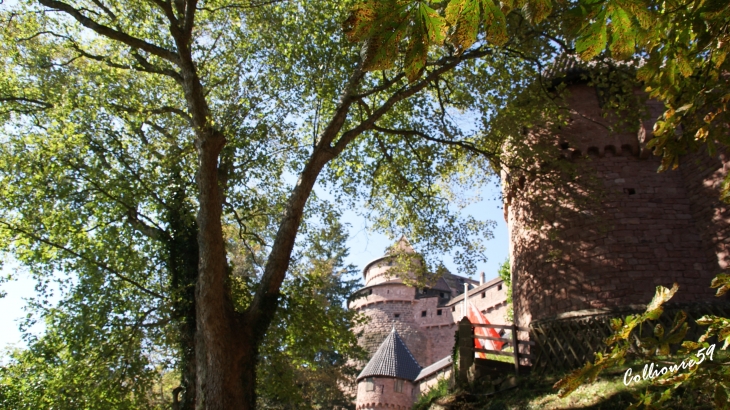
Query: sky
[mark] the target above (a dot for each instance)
(364, 247)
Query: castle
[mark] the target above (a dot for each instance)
(410, 332)
(568, 260)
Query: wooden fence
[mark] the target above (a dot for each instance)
(467, 348)
(567, 343)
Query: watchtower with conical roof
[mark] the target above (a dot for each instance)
(386, 382)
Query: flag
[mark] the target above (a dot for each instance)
(475, 316)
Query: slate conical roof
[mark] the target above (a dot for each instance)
(392, 359)
(401, 246)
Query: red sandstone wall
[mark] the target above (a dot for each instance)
(384, 396)
(438, 329)
(641, 231)
(703, 175)
(492, 303)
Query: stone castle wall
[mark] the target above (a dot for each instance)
(381, 320)
(703, 176)
(384, 395)
(637, 230)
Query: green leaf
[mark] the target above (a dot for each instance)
(495, 23)
(592, 39)
(464, 16)
(537, 10)
(623, 35)
(662, 295)
(722, 282)
(435, 24)
(659, 331)
(415, 59)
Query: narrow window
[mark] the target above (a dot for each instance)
(423, 313)
(438, 312)
(397, 315)
(398, 385)
(484, 294)
(453, 308)
(442, 295)
(371, 292)
(369, 384)
(499, 287)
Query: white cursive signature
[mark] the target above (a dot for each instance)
(650, 372)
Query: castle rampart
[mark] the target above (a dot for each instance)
(613, 246)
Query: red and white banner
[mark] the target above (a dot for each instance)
(475, 316)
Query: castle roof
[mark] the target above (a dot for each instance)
(475, 291)
(401, 246)
(434, 368)
(392, 359)
(442, 285)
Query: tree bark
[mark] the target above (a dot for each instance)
(218, 339)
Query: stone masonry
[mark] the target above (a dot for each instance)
(645, 229)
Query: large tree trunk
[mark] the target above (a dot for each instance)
(219, 333)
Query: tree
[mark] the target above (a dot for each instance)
(135, 132)
(304, 357)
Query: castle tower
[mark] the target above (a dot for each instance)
(645, 229)
(388, 303)
(387, 380)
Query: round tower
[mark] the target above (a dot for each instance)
(639, 229)
(388, 303)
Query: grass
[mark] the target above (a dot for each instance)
(499, 358)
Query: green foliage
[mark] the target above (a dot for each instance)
(60, 372)
(679, 48)
(704, 377)
(424, 402)
(384, 25)
(306, 353)
(392, 28)
(505, 273)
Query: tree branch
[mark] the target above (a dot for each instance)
(143, 228)
(27, 100)
(469, 146)
(445, 64)
(111, 33)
